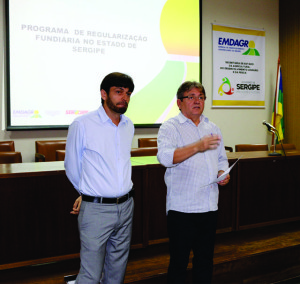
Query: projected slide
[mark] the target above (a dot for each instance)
(59, 51)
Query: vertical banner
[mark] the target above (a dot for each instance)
(238, 67)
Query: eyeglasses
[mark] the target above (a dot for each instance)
(193, 98)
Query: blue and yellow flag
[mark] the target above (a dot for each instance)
(277, 115)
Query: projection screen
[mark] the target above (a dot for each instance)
(58, 51)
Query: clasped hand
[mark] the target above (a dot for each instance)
(76, 206)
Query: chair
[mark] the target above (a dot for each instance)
(144, 151)
(147, 142)
(228, 148)
(10, 157)
(251, 147)
(60, 155)
(46, 150)
(6, 146)
(285, 147)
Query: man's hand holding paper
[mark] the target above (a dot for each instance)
(223, 177)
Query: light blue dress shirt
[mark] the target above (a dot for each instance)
(187, 189)
(97, 160)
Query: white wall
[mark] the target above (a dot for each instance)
(242, 125)
(237, 125)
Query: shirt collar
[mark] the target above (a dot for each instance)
(183, 118)
(104, 117)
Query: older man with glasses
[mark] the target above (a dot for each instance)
(191, 148)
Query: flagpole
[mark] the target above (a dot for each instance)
(275, 101)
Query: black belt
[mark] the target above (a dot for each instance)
(108, 200)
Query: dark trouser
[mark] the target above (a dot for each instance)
(191, 231)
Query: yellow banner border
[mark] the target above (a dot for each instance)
(238, 30)
(238, 103)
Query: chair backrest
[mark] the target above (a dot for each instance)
(285, 147)
(147, 142)
(144, 151)
(228, 148)
(251, 147)
(46, 150)
(6, 146)
(10, 157)
(60, 155)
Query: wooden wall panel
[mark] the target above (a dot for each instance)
(289, 48)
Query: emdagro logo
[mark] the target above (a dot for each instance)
(251, 50)
(27, 113)
(232, 42)
(36, 114)
(237, 45)
(23, 112)
(225, 87)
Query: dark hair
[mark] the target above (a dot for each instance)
(187, 86)
(116, 79)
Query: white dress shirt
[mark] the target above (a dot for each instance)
(97, 160)
(186, 181)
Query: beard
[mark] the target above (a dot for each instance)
(114, 107)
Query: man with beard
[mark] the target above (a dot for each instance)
(97, 162)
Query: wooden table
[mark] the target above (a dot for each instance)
(267, 188)
(36, 224)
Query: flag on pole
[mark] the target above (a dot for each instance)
(277, 116)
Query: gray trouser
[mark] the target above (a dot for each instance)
(105, 234)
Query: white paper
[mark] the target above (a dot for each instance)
(223, 176)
